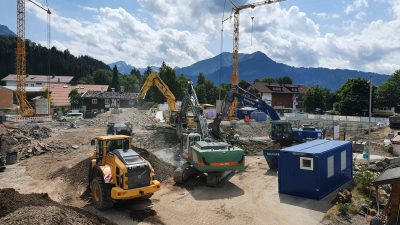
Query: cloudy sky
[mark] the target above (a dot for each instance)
(352, 34)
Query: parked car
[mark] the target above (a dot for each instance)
(71, 117)
(119, 128)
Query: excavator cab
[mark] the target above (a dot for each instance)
(280, 130)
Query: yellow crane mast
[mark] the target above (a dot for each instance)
(235, 61)
(25, 108)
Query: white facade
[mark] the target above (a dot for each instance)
(267, 97)
(27, 83)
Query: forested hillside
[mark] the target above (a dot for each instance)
(39, 60)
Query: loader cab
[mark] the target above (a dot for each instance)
(280, 130)
(189, 140)
(105, 145)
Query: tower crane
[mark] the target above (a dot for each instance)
(235, 61)
(25, 108)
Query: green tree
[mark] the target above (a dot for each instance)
(201, 79)
(316, 97)
(284, 80)
(75, 99)
(136, 73)
(102, 76)
(353, 97)
(268, 80)
(115, 80)
(243, 84)
(388, 94)
(168, 75)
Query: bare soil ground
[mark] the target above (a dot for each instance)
(250, 197)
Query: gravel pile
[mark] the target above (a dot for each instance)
(76, 176)
(163, 170)
(16, 208)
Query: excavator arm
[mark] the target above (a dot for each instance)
(246, 98)
(191, 103)
(154, 79)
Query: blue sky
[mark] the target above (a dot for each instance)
(352, 34)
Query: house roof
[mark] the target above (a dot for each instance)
(271, 88)
(40, 78)
(27, 89)
(60, 92)
(389, 176)
(111, 95)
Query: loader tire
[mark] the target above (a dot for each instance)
(101, 194)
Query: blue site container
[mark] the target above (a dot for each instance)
(240, 113)
(298, 134)
(315, 169)
(272, 157)
(259, 116)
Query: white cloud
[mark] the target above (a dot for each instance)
(182, 34)
(357, 4)
(118, 35)
(323, 15)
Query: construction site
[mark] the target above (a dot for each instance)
(121, 158)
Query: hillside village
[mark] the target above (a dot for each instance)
(234, 138)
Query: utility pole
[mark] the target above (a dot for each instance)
(369, 120)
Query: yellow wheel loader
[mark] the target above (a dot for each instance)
(117, 172)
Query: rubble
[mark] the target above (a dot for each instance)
(27, 141)
(382, 165)
(16, 208)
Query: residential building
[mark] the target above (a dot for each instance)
(6, 100)
(103, 101)
(37, 80)
(284, 98)
(60, 92)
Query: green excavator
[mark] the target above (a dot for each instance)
(218, 160)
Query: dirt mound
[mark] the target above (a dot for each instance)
(76, 175)
(16, 208)
(162, 169)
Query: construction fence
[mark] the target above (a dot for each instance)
(360, 119)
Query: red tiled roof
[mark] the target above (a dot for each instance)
(60, 92)
(41, 78)
(269, 88)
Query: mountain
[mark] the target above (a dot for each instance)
(122, 67)
(257, 66)
(126, 68)
(5, 31)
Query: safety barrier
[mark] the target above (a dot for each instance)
(33, 119)
(336, 118)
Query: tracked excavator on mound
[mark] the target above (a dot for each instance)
(216, 159)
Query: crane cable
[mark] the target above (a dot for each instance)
(48, 56)
(252, 26)
(222, 48)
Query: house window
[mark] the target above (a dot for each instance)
(94, 101)
(343, 160)
(306, 163)
(32, 85)
(107, 101)
(330, 164)
(38, 83)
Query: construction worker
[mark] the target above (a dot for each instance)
(374, 219)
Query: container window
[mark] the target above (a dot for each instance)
(331, 168)
(306, 163)
(343, 160)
